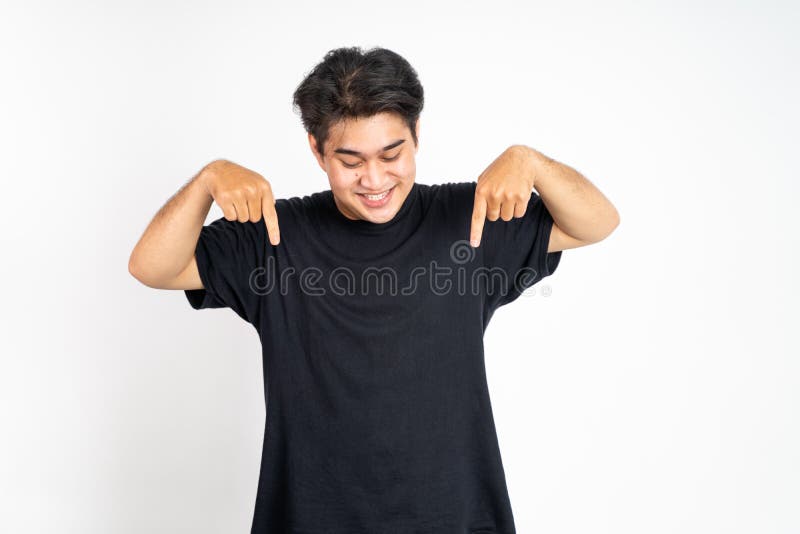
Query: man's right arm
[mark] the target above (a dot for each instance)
(164, 256)
(214, 263)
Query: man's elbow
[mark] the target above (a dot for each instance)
(605, 229)
(611, 224)
(137, 269)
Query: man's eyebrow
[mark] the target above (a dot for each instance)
(359, 154)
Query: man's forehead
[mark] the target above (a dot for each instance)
(366, 135)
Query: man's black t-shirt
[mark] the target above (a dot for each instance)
(378, 417)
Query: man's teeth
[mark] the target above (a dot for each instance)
(378, 197)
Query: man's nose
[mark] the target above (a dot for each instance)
(373, 177)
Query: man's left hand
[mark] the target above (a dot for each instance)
(503, 190)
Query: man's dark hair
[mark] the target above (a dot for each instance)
(351, 83)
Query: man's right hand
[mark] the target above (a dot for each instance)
(243, 195)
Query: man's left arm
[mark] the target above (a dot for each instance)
(582, 215)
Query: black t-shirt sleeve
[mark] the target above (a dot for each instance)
(228, 254)
(519, 248)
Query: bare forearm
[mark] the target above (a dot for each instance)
(168, 243)
(577, 206)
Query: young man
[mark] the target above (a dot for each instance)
(371, 304)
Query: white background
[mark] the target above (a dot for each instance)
(655, 390)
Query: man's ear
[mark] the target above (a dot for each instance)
(313, 144)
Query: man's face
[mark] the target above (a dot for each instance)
(357, 165)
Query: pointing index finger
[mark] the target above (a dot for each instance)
(270, 219)
(478, 218)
